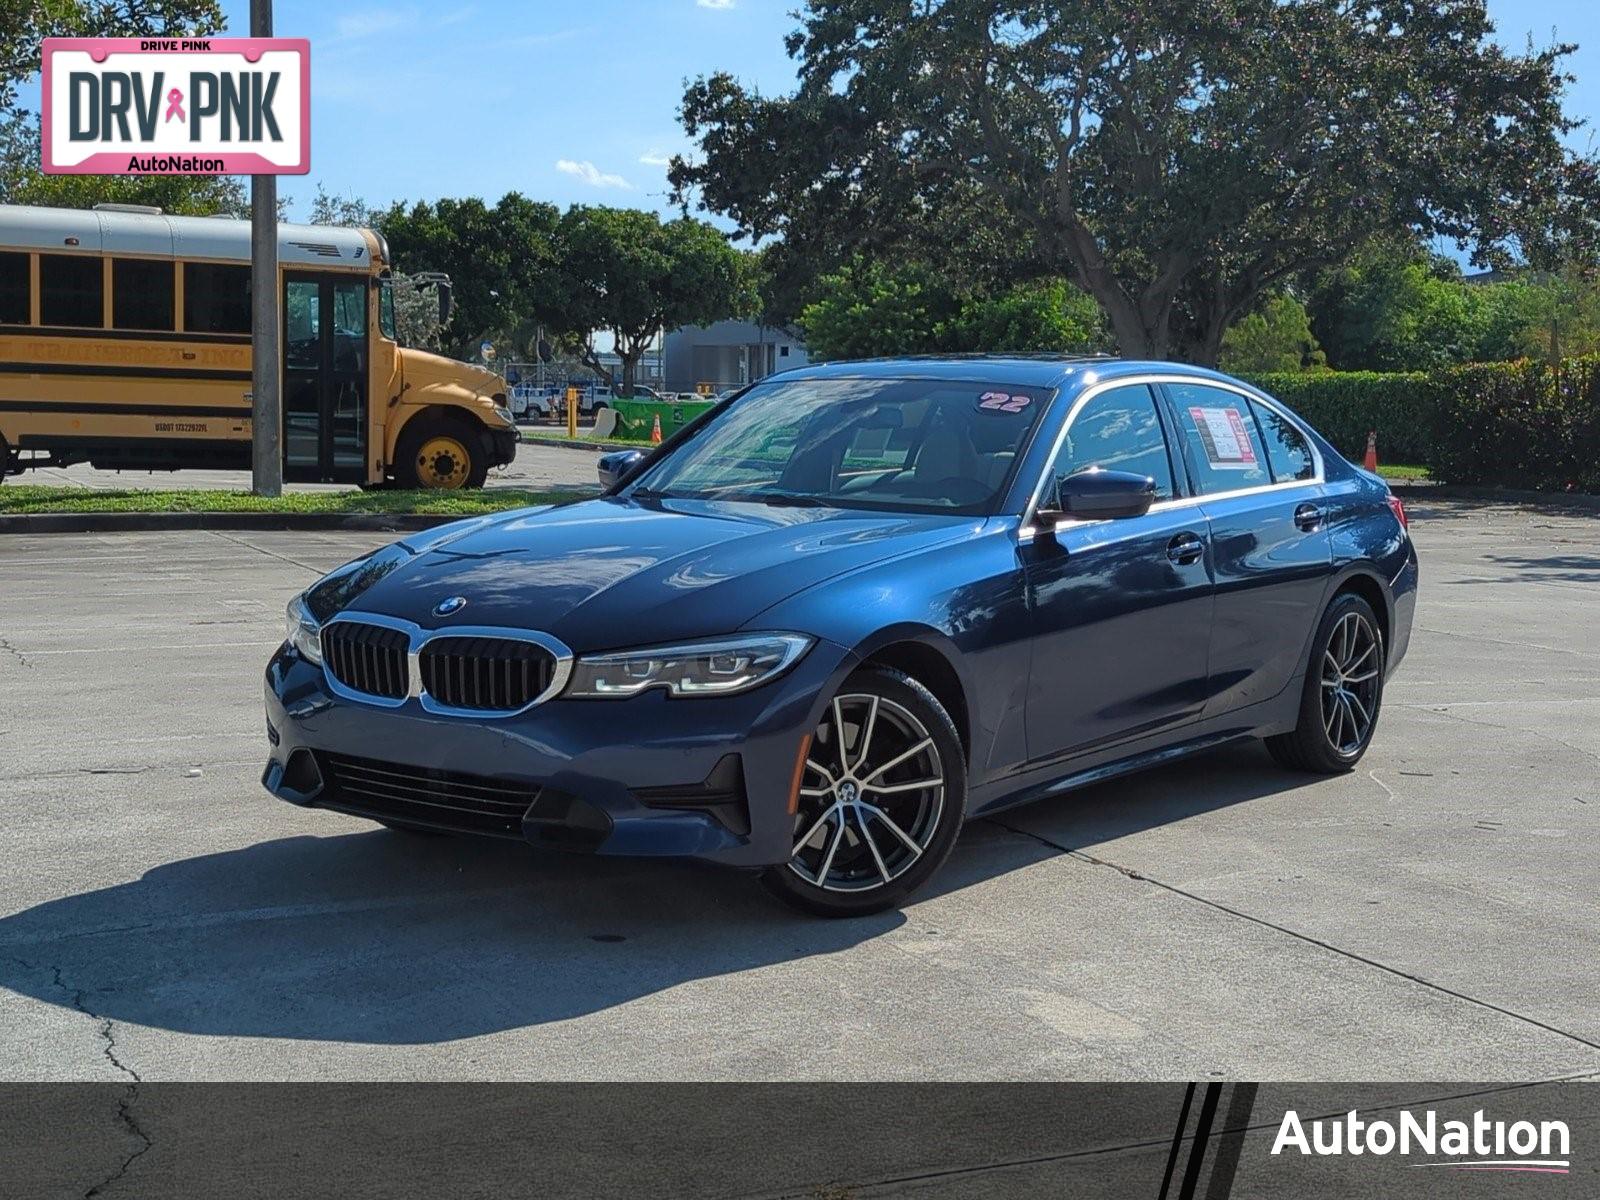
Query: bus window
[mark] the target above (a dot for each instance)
(71, 290)
(216, 298)
(141, 294)
(386, 324)
(14, 289)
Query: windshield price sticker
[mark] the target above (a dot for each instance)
(1004, 402)
(177, 106)
(1223, 435)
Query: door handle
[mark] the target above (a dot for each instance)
(1185, 548)
(1308, 517)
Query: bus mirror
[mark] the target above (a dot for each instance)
(446, 301)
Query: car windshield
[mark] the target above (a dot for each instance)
(921, 445)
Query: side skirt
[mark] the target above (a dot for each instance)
(1277, 715)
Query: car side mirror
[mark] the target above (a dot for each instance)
(615, 467)
(1098, 495)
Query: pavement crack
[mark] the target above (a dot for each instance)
(283, 558)
(130, 1093)
(1441, 989)
(7, 648)
(1538, 733)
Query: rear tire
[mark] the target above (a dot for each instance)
(866, 835)
(441, 452)
(1343, 692)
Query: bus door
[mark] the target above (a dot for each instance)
(325, 351)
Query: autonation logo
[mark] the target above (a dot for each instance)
(1476, 1145)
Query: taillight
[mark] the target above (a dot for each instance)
(1399, 511)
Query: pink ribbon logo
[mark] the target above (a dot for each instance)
(175, 105)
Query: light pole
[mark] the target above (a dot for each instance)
(266, 451)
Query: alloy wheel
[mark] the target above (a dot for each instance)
(870, 798)
(1350, 666)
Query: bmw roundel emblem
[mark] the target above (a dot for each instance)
(450, 606)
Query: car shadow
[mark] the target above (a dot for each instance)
(382, 937)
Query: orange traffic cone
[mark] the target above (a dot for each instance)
(1371, 461)
(655, 433)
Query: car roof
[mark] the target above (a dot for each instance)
(1025, 370)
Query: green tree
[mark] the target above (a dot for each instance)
(629, 272)
(1050, 315)
(23, 25)
(1397, 308)
(1176, 161)
(502, 262)
(1276, 337)
(866, 310)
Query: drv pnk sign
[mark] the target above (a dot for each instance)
(171, 106)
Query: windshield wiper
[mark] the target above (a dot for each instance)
(783, 499)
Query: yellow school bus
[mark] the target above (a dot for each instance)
(125, 343)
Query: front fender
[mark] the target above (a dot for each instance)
(965, 601)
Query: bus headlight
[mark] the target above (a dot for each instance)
(305, 635)
(722, 667)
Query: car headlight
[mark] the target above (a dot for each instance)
(305, 635)
(713, 668)
(504, 414)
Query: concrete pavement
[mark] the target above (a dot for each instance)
(1431, 915)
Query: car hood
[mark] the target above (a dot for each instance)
(613, 572)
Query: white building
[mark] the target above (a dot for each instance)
(727, 354)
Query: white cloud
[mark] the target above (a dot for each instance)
(655, 158)
(719, 5)
(369, 23)
(591, 174)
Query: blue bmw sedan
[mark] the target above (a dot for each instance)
(852, 607)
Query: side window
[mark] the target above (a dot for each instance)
(216, 298)
(1225, 450)
(1118, 430)
(72, 290)
(14, 288)
(1288, 453)
(141, 294)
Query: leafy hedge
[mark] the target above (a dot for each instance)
(1516, 424)
(1343, 406)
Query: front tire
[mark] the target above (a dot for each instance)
(1343, 692)
(882, 799)
(438, 452)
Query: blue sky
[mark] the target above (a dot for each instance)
(566, 102)
(575, 102)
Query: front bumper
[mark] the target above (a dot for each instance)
(648, 775)
(502, 446)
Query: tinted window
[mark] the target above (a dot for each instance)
(925, 445)
(216, 298)
(14, 289)
(1288, 452)
(1225, 452)
(1118, 430)
(141, 294)
(71, 290)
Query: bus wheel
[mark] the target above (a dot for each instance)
(437, 452)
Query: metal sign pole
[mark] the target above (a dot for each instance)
(266, 452)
